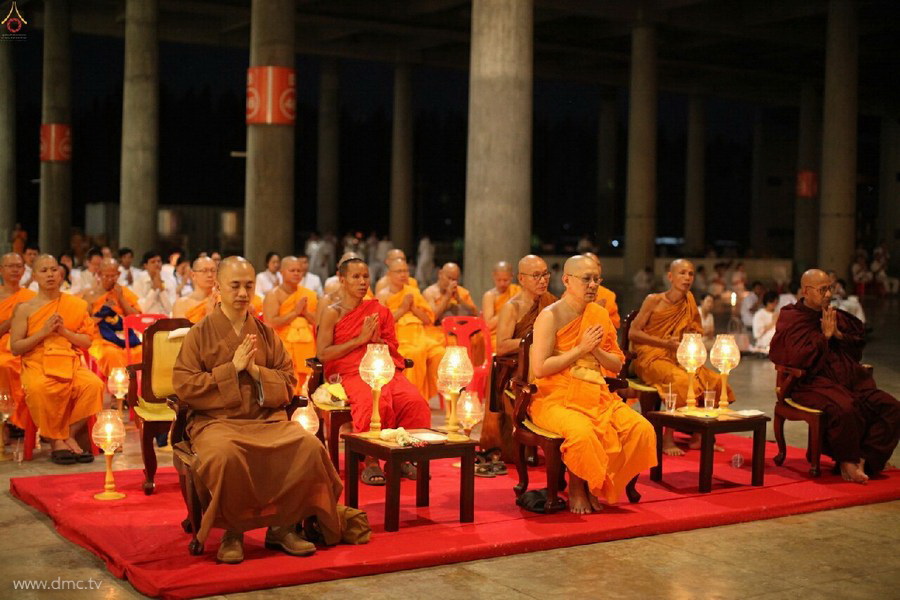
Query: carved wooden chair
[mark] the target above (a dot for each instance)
(648, 397)
(154, 405)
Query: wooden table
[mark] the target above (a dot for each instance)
(707, 428)
(357, 447)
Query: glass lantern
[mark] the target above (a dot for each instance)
(725, 356)
(691, 355)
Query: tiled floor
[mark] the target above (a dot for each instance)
(846, 553)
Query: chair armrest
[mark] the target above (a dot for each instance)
(869, 369)
(179, 427)
(408, 363)
(317, 376)
(524, 394)
(616, 383)
(131, 398)
(784, 380)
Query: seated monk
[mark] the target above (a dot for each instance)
(494, 299)
(606, 442)
(333, 290)
(347, 326)
(862, 422)
(655, 335)
(12, 268)
(203, 299)
(258, 468)
(392, 255)
(515, 321)
(605, 296)
(290, 309)
(48, 332)
(412, 314)
(447, 297)
(121, 301)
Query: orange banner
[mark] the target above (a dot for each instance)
(56, 142)
(271, 96)
(807, 184)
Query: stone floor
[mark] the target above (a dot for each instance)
(846, 553)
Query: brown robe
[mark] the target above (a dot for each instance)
(255, 468)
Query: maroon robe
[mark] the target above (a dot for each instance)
(861, 421)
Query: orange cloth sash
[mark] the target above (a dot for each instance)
(11, 366)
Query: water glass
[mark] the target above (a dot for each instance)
(671, 400)
(709, 399)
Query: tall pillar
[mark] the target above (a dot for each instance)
(640, 211)
(7, 144)
(269, 207)
(806, 204)
(607, 144)
(329, 146)
(758, 215)
(140, 127)
(498, 158)
(55, 210)
(402, 161)
(889, 189)
(837, 211)
(695, 188)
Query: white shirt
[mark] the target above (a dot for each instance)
(747, 311)
(151, 300)
(762, 319)
(784, 300)
(86, 280)
(123, 276)
(266, 281)
(311, 281)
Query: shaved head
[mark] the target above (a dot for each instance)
(576, 264)
(679, 263)
(236, 280)
(814, 277)
(11, 258)
(288, 261)
(347, 256)
(448, 274)
(502, 267)
(232, 265)
(109, 263)
(533, 274)
(42, 258)
(45, 271)
(202, 261)
(816, 289)
(581, 276)
(394, 254)
(593, 257)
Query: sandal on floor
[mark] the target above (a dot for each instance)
(409, 471)
(484, 470)
(63, 457)
(498, 467)
(84, 457)
(372, 475)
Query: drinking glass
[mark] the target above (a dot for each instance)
(671, 400)
(709, 399)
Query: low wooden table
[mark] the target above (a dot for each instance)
(356, 447)
(707, 428)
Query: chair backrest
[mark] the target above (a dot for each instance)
(625, 344)
(524, 391)
(91, 363)
(464, 330)
(159, 354)
(785, 377)
(139, 324)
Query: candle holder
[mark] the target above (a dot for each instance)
(117, 384)
(454, 373)
(109, 434)
(376, 369)
(691, 355)
(306, 417)
(725, 356)
(7, 406)
(470, 411)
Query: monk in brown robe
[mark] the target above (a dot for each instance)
(49, 332)
(606, 442)
(412, 314)
(392, 255)
(605, 296)
(12, 268)
(122, 301)
(257, 468)
(515, 321)
(862, 422)
(655, 335)
(494, 299)
(204, 298)
(290, 309)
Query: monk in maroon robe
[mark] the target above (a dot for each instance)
(862, 423)
(345, 329)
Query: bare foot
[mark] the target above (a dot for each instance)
(596, 505)
(695, 444)
(579, 502)
(853, 472)
(668, 446)
(72, 445)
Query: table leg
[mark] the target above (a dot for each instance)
(423, 476)
(656, 472)
(392, 495)
(759, 454)
(467, 486)
(351, 476)
(707, 444)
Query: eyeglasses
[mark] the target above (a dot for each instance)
(537, 276)
(206, 271)
(822, 290)
(588, 279)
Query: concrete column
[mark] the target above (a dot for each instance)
(889, 189)
(7, 144)
(695, 179)
(329, 146)
(498, 159)
(402, 162)
(806, 208)
(837, 211)
(55, 210)
(758, 217)
(140, 127)
(640, 211)
(607, 144)
(269, 207)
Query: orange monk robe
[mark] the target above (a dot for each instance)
(11, 366)
(108, 354)
(425, 351)
(604, 293)
(499, 301)
(606, 442)
(196, 313)
(256, 307)
(60, 391)
(299, 336)
(659, 367)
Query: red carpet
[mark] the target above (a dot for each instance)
(140, 537)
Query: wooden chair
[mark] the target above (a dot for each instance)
(648, 397)
(139, 324)
(154, 406)
(464, 329)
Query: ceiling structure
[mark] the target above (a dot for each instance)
(755, 50)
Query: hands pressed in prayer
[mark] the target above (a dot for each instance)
(407, 302)
(369, 331)
(591, 338)
(52, 325)
(245, 354)
(300, 307)
(829, 323)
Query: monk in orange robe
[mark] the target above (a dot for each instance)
(655, 335)
(290, 309)
(494, 299)
(123, 302)
(48, 332)
(605, 296)
(204, 298)
(412, 314)
(12, 268)
(447, 297)
(392, 255)
(606, 442)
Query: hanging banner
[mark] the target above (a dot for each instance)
(807, 184)
(56, 142)
(271, 96)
